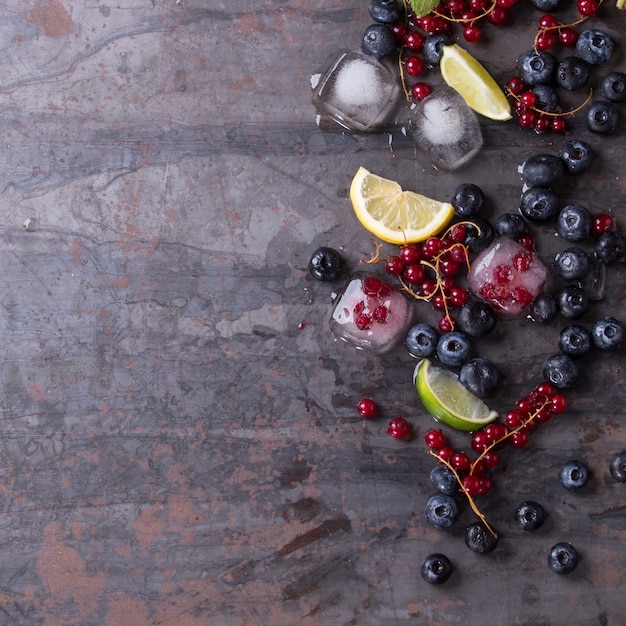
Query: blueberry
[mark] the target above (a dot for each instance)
(573, 302)
(453, 348)
(536, 67)
(436, 569)
(478, 234)
(602, 117)
(378, 41)
(443, 480)
(574, 475)
(433, 48)
(385, 11)
(594, 46)
(481, 376)
(545, 5)
(563, 558)
(421, 340)
(476, 318)
(442, 511)
(572, 73)
(530, 515)
(613, 86)
(547, 98)
(542, 170)
(544, 308)
(572, 264)
(577, 156)
(607, 334)
(574, 222)
(575, 340)
(511, 225)
(468, 199)
(609, 248)
(617, 466)
(560, 370)
(539, 204)
(325, 264)
(479, 539)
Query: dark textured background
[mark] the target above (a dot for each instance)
(179, 442)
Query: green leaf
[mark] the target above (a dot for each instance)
(423, 7)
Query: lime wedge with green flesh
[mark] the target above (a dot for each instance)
(447, 400)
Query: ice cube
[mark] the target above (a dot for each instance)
(371, 314)
(356, 91)
(446, 129)
(508, 276)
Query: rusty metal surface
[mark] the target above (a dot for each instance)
(179, 442)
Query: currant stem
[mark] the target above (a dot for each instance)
(470, 499)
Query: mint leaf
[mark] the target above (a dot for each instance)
(423, 7)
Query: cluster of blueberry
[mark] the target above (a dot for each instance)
(540, 75)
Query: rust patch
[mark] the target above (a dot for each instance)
(52, 19)
(325, 529)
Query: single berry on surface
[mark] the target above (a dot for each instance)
(530, 515)
(433, 48)
(572, 264)
(607, 334)
(572, 73)
(546, 98)
(542, 170)
(613, 86)
(385, 11)
(378, 41)
(574, 222)
(617, 466)
(435, 439)
(436, 569)
(453, 349)
(468, 200)
(602, 117)
(574, 475)
(511, 225)
(481, 376)
(444, 481)
(536, 67)
(573, 302)
(476, 319)
(594, 46)
(563, 558)
(398, 428)
(478, 234)
(325, 264)
(479, 539)
(602, 223)
(421, 340)
(561, 371)
(544, 308)
(442, 511)
(367, 408)
(610, 247)
(575, 340)
(577, 156)
(539, 204)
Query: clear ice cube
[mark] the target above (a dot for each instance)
(445, 129)
(371, 314)
(356, 91)
(508, 277)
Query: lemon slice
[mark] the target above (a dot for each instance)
(465, 74)
(448, 401)
(394, 215)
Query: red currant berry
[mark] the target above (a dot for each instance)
(548, 21)
(559, 403)
(363, 321)
(440, 26)
(413, 41)
(448, 266)
(495, 432)
(484, 486)
(426, 23)
(506, 4)
(478, 6)
(419, 91)
(446, 324)
(472, 33)
(372, 285)
(527, 118)
(458, 233)
(544, 415)
(432, 247)
(439, 302)
(559, 124)
(460, 462)
(478, 468)
(367, 408)
(513, 419)
(479, 441)
(526, 241)
(519, 439)
(428, 288)
(380, 314)
(587, 8)
(458, 296)
(491, 459)
(455, 7)
(414, 273)
(400, 31)
(545, 389)
(446, 453)
(543, 124)
(398, 428)
(435, 439)
(410, 253)
(394, 265)
(529, 426)
(568, 36)
(602, 223)
(497, 16)
(528, 99)
(458, 253)
(471, 485)
(545, 40)
(516, 86)
(414, 66)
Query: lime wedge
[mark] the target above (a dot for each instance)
(448, 401)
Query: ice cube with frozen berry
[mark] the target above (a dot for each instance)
(371, 314)
(507, 276)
